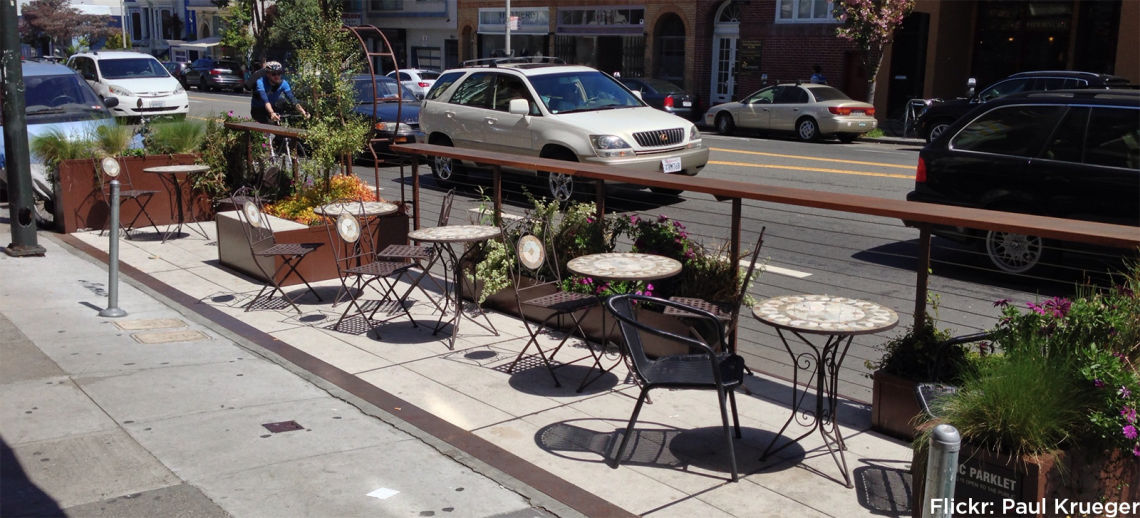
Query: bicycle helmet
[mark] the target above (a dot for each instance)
(273, 66)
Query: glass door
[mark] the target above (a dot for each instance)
(724, 73)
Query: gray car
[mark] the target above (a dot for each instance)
(210, 74)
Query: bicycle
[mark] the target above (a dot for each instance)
(283, 150)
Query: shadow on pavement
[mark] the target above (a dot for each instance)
(19, 496)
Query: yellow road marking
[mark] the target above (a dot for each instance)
(816, 159)
(813, 169)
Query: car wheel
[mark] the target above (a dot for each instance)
(936, 130)
(1014, 253)
(724, 124)
(847, 138)
(561, 185)
(445, 170)
(807, 129)
(667, 192)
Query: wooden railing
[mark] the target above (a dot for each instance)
(923, 216)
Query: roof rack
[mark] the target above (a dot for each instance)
(494, 62)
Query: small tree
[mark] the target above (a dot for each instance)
(60, 23)
(871, 25)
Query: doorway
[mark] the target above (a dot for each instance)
(726, 41)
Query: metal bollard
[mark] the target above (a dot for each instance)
(113, 309)
(941, 471)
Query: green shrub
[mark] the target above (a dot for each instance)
(172, 137)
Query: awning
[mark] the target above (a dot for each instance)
(202, 44)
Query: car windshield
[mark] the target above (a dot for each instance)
(662, 86)
(427, 74)
(385, 90)
(132, 68)
(582, 91)
(227, 65)
(58, 94)
(827, 93)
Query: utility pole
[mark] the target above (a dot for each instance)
(507, 45)
(17, 159)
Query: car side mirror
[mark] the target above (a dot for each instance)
(519, 107)
(111, 102)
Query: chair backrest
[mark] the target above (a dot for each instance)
(353, 242)
(255, 223)
(622, 307)
(743, 290)
(445, 207)
(532, 263)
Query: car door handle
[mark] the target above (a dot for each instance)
(449, 114)
(490, 120)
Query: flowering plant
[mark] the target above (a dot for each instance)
(299, 207)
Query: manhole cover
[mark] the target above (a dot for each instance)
(283, 426)
(165, 337)
(157, 323)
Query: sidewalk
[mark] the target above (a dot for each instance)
(185, 417)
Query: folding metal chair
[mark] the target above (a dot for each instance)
(418, 254)
(259, 234)
(538, 285)
(357, 260)
(127, 192)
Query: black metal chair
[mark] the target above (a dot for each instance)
(537, 280)
(127, 192)
(262, 244)
(356, 259)
(703, 368)
(728, 312)
(422, 257)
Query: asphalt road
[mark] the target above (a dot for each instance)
(806, 250)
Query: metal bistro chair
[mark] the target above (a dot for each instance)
(537, 281)
(356, 259)
(703, 368)
(728, 312)
(417, 254)
(127, 192)
(259, 234)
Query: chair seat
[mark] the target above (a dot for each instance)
(406, 251)
(378, 268)
(135, 193)
(692, 370)
(563, 301)
(717, 309)
(288, 249)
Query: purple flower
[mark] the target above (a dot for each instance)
(1129, 414)
(589, 219)
(1098, 383)
(649, 287)
(1124, 392)
(662, 218)
(1136, 451)
(633, 218)
(230, 113)
(1129, 432)
(1040, 310)
(1002, 302)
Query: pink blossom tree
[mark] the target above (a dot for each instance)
(871, 25)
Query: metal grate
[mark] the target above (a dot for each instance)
(283, 426)
(658, 138)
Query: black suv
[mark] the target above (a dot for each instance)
(1068, 154)
(941, 114)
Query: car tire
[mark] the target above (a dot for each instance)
(667, 192)
(1016, 253)
(847, 138)
(807, 129)
(45, 213)
(936, 130)
(445, 170)
(724, 124)
(560, 185)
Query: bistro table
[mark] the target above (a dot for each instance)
(839, 319)
(620, 266)
(169, 174)
(448, 236)
(367, 212)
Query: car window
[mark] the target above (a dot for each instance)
(763, 96)
(1009, 130)
(663, 87)
(511, 87)
(441, 84)
(582, 91)
(1002, 88)
(790, 95)
(476, 90)
(405, 77)
(385, 90)
(132, 68)
(424, 74)
(232, 66)
(827, 93)
(1068, 139)
(50, 96)
(1114, 138)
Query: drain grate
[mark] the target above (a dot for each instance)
(283, 426)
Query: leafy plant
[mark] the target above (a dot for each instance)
(224, 150)
(56, 146)
(114, 140)
(171, 137)
(299, 207)
(920, 353)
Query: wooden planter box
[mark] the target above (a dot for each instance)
(80, 202)
(1077, 475)
(894, 406)
(319, 265)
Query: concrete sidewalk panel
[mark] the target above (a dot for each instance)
(445, 402)
(180, 501)
(48, 409)
(20, 359)
(331, 349)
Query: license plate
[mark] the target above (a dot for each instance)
(687, 104)
(671, 165)
(157, 104)
(862, 124)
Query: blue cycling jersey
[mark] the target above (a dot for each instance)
(264, 92)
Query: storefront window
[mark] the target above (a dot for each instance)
(804, 11)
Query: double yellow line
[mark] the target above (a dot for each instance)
(813, 169)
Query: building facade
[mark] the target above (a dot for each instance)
(421, 32)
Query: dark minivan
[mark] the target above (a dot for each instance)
(1068, 154)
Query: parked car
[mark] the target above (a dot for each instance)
(417, 80)
(56, 99)
(382, 105)
(811, 111)
(177, 70)
(142, 84)
(1067, 154)
(211, 74)
(663, 95)
(941, 114)
(558, 111)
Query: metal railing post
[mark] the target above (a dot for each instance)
(923, 270)
(113, 309)
(941, 471)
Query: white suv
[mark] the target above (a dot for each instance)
(143, 86)
(558, 111)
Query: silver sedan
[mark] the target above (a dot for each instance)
(810, 111)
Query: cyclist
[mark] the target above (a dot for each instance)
(269, 92)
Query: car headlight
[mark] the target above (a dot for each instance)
(118, 90)
(179, 90)
(694, 137)
(610, 146)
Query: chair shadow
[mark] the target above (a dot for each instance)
(662, 446)
(883, 490)
(531, 377)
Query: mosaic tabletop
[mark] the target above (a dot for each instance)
(825, 314)
(368, 208)
(624, 266)
(455, 233)
(173, 169)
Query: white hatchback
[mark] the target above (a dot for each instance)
(417, 80)
(143, 86)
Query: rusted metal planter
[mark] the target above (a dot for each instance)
(894, 407)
